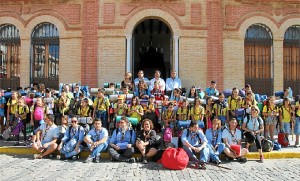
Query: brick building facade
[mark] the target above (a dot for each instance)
(202, 39)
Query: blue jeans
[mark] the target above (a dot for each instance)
(204, 153)
(212, 154)
(103, 116)
(221, 148)
(72, 153)
(286, 127)
(100, 148)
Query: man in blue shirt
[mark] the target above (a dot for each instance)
(96, 140)
(70, 145)
(121, 143)
(194, 141)
(172, 83)
(212, 91)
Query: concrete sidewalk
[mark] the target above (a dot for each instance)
(6, 147)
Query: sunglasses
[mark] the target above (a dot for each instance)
(73, 121)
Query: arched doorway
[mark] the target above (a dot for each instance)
(9, 57)
(291, 59)
(258, 59)
(152, 48)
(45, 55)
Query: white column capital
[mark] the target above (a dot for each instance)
(128, 37)
(176, 37)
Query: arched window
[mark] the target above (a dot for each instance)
(9, 57)
(45, 55)
(291, 59)
(258, 56)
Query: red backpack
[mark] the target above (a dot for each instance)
(175, 159)
(282, 139)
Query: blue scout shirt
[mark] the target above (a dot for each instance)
(213, 137)
(128, 137)
(253, 123)
(74, 132)
(211, 92)
(193, 138)
(97, 135)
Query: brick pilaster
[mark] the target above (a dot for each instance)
(89, 43)
(215, 42)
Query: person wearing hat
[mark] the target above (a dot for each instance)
(120, 108)
(253, 126)
(211, 91)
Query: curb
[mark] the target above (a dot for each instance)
(85, 153)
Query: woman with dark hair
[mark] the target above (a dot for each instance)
(136, 111)
(286, 116)
(193, 92)
(197, 112)
(146, 141)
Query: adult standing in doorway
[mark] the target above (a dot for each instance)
(172, 83)
(140, 77)
(157, 78)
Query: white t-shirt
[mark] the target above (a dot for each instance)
(233, 137)
(49, 133)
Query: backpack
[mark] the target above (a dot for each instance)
(267, 145)
(6, 133)
(168, 135)
(38, 112)
(18, 128)
(175, 159)
(248, 119)
(282, 139)
(276, 145)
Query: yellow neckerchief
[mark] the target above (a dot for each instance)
(84, 111)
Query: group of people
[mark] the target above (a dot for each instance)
(213, 128)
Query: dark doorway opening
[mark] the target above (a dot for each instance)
(152, 48)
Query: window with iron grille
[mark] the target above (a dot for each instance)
(258, 59)
(291, 58)
(45, 55)
(9, 56)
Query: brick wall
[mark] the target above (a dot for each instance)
(70, 61)
(215, 43)
(234, 64)
(89, 43)
(192, 61)
(112, 56)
